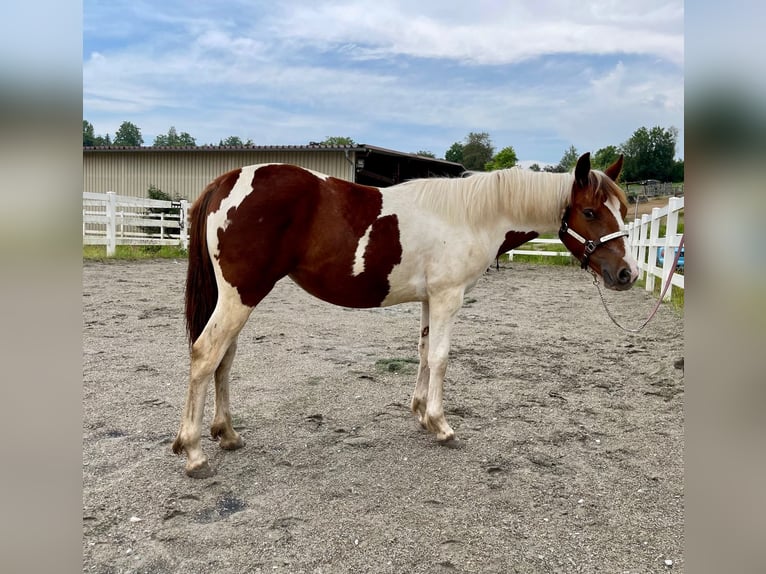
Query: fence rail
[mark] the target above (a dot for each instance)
(110, 219)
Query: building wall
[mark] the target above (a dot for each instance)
(185, 174)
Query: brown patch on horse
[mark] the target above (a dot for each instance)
(514, 239)
(345, 212)
(267, 231)
(268, 236)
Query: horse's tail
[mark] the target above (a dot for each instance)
(201, 288)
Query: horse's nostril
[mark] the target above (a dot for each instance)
(624, 276)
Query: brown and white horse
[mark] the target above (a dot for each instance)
(425, 240)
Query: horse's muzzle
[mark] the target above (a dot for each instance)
(622, 280)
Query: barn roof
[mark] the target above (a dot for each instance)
(375, 165)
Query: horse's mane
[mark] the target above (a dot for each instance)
(536, 199)
(528, 197)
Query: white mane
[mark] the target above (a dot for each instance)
(529, 198)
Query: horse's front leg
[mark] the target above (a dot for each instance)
(443, 309)
(420, 396)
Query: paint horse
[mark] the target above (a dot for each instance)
(426, 240)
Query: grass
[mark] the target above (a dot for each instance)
(403, 366)
(676, 293)
(134, 252)
(546, 259)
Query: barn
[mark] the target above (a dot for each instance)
(183, 172)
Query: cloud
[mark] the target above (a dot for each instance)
(387, 72)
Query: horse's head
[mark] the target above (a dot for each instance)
(592, 226)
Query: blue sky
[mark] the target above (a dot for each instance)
(538, 76)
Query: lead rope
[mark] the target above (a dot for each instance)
(659, 301)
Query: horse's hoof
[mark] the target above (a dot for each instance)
(451, 442)
(200, 471)
(446, 438)
(235, 444)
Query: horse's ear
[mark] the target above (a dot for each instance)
(582, 170)
(613, 171)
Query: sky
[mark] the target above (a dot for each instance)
(410, 76)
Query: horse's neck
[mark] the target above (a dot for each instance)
(534, 200)
(527, 201)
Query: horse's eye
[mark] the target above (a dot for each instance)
(589, 214)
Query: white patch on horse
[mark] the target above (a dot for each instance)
(361, 248)
(613, 204)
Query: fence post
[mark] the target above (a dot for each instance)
(642, 233)
(654, 233)
(111, 223)
(183, 222)
(671, 231)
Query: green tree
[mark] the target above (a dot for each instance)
(677, 173)
(88, 135)
(128, 134)
(605, 157)
(234, 141)
(568, 160)
(455, 153)
(649, 154)
(535, 167)
(174, 139)
(425, 153)
(477, 151)
(504, 159)
(338, 141)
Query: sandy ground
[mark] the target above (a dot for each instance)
(570, 452)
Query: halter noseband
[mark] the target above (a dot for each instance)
(590, 245)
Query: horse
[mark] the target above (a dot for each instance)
(424, 240)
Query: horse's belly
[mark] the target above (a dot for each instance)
(346, 289)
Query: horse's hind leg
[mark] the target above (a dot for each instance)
(207, 353)
(420, 396)
(221, 428)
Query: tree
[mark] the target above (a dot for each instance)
(174, 139)
(338, 141)
(455, 153)
(504, 159)
(88, 136)
(535, 167)
(89, 139)
(128, 134)
(649, 154)
(568, 160)
(677, 173)
(477, 151)
(235, 141)
(424, 153)
(605, 157)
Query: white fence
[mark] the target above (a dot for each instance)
(539, 241)
(111, 220)
(645, 241)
